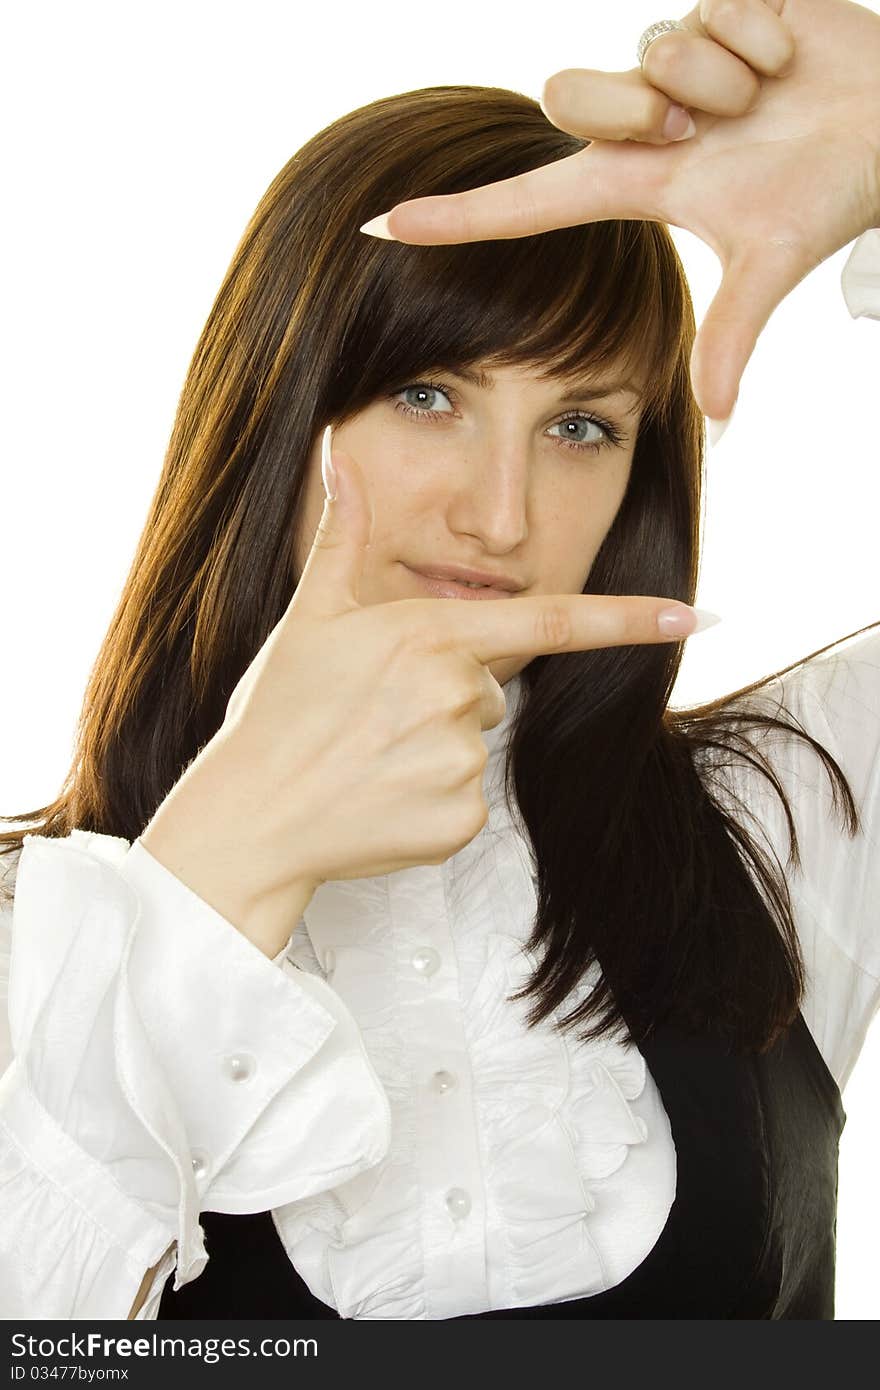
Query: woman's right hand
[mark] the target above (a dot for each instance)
(351, 745)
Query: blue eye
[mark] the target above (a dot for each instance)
(422, 411)
(423, 388)
(579, 422)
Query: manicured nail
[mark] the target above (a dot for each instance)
(378, 226)
(328, 472)
(716, 428)
(685, 621)
(679, 124)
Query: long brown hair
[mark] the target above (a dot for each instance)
(639, 867)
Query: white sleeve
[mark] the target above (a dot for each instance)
(155, 1064)
(836, 891)
(860, 277)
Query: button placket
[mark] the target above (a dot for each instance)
(447, 1150)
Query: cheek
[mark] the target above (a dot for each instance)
(582, 524)
(609, 496)
(591, 504)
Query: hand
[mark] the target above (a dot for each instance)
(783, 171)
(351, 744)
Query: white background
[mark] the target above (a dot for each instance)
(138, 141)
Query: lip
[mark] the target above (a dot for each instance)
(457, 573)
(448, 588)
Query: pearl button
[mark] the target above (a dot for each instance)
(329, 961)
(240, 1066)
(443, 1081)
(199, 1162)
(458, 1201)
(425, 960)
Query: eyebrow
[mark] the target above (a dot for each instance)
(587, 391)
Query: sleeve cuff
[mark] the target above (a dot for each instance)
(228, 1027)
(86, 1253)
(267, 1064)
(197, 1072)
(860, 277)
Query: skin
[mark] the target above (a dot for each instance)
(492, 483)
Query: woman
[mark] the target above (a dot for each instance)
(362, 1117)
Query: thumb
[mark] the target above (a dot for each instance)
(753, 285)
(332, 573)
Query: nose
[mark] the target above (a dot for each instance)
(491, 499)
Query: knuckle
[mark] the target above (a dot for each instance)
(461, 695)
(462, 821)
(475, 762)
(531, 216)
(665, 59)
(781, 58)
(553, 625)
(478, 816)
(464, 209)
(721, 15)
(459, 767)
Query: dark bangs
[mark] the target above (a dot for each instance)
(583, 302)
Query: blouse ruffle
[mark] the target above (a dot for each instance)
(575, 1149)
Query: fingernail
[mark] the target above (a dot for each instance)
(328, 472)
(716, 428)
(679, 124)
(685, 621)
(378, 226)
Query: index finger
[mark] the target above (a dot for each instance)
(548, 623)
(565, 193)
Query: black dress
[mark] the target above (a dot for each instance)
(751, 1233)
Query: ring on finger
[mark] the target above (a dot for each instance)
(653, 32)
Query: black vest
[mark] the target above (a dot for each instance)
(751, 1233)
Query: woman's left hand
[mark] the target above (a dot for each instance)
(783, 171)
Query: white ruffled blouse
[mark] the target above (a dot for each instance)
(423, 1153)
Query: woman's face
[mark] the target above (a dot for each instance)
(520, 476)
